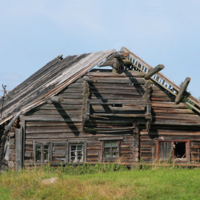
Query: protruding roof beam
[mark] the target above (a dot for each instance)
(154, 71)
(182, 90)
(116, 60)
(55, 99)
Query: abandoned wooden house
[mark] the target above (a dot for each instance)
(75, 110)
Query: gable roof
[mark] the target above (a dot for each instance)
(59, 73)
(48, 81)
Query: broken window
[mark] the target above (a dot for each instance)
(177, 150)
(180, 149)
(76, 153)
(42, 152)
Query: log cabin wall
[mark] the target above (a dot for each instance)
(62, 124)
(170, 123)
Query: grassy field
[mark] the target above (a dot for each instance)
(102, 182)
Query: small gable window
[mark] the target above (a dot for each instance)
(43, 152)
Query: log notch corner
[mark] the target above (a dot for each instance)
(117, 61)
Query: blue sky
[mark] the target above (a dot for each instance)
(160, 32)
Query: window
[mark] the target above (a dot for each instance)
(180, 149)
(111, 149)
(177, 150)
(43, 152)
(77, 151)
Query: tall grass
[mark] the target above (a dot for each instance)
(102, 182)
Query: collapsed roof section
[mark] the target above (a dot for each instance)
(47, 82)
(59, 73)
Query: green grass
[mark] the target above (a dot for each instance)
(88, 182)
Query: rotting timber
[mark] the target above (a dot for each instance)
(123, 115)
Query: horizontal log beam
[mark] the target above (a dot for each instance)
(107, 102)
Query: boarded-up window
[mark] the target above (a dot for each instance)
(165, 150)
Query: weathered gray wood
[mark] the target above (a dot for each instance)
(154, 71)
(18, 149)
(56, 99)
(89, 80)
(121, 73)
(125, 102)
(182, 90)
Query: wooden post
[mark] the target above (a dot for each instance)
(154, 71)
(182, 90)
(18, 150)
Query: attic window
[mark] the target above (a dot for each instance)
(117, 105)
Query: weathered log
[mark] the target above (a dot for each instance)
(90, 80)
(55, 99)
(154, 71)
(182, 90)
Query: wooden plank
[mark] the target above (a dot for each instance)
(73, 85)
(54, 118)
(79, 90)
(116, 91)
(74, 135)
(117, 86)
(168, 105)
(64, 107)
(118, 115)
(115, 97)
(30, 130)
(172, 111)
(18, 149)
(112, 108)
(66, 96)
(55, 112)
(107, 102)
(122, 80)
(121, 73)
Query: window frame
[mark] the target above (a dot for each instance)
(68, 153)
(103, 149)
(36, 144)
(187, 149)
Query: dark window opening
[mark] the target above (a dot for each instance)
(180, 149)
(117, 105)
